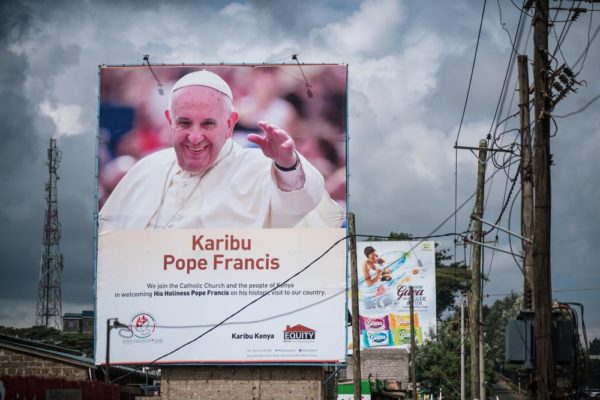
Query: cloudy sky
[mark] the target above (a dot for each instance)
(409, 65)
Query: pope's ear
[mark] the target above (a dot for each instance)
(233, 119)
(168, 116)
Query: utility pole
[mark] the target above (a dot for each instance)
(544, 358)
(477, 384)
(355, 314)
(526, 184)
(413, 345)
(462, 348)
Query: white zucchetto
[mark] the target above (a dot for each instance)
(204, 78)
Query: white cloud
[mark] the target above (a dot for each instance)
(370, 30)
(402, 160)
(64, 116)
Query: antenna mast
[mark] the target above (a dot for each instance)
(49, 304)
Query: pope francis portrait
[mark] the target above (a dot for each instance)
(206, 180)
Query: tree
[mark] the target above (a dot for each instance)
(495, 320)
(595, 347)
(451, 278)
(438, 360)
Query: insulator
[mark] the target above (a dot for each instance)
(569, 73)
(558, 86)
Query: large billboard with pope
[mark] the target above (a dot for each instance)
(218, 186)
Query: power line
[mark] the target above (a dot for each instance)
(253, 301)
(518, 36)
(471, 75)
(589, 103)
(212, 328)
(587, 47)
(554, 291)
(462, 120)
(585, 50)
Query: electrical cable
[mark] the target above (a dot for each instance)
(554, 291)
(462, 120)
(558, 38)
(589, 103)
(519, 8)
(471, 74)
(521, 268)
(582, 55)
(587, 47)
(432, 233)
(238, 311)
(518, 36)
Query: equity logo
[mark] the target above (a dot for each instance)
(142, 325)
(299, 333)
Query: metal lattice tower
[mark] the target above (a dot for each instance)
(49, 304)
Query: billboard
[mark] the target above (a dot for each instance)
(216, 183)
(386, 271)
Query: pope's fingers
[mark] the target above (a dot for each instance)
(257, 139)
(274, 132)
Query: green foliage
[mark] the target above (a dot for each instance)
(81, 342)
(495, 320)
(438, 361)
(392, 236)
(451, 279)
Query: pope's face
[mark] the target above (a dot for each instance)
(200, 122)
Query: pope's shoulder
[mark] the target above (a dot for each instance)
(164, 156)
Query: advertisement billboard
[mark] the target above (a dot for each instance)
(386, 271)
(215, 184)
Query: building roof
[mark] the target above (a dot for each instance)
(83, 314)
(44, 350)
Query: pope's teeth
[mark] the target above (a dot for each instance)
(197, 148)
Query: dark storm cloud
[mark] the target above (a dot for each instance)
(77, 206)
(20, 163)
(409, 69)
(18, 137)
(25, 135)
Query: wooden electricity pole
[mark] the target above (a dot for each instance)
(475, 295)
(413, 345)
(357, 383)
(526, 183)
(544, 358)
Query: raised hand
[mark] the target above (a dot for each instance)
(275, 144)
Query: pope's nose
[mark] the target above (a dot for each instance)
(195, 137)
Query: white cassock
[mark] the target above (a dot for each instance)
(241, 190)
